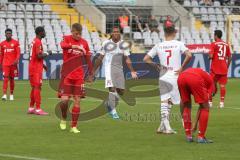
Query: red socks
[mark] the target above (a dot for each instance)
(5, 85)
(187, 121)
(12, 85)
(75, 115)
(32, 100)
(203, 122)
(37, 97)
(222, 93)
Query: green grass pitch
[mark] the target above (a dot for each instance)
(132, 138)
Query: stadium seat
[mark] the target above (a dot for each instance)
(137, 36)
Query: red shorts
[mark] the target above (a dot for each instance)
(191, 84)
(10, 71)
(71, 87)
(35, 79)
(221, 79)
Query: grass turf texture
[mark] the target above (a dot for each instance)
(103, 138)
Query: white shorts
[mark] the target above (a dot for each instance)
(169, 89)
(114, 78)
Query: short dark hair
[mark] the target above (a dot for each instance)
(39, 30)
(77, 27)
(8, 30)
(218, 33)
(169, 27)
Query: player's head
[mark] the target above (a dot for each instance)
(40, 32)
(217, 34)
(8, 34)
(115, 35)
(169, 29)
(76, 31)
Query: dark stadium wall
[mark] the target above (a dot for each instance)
(54, 62)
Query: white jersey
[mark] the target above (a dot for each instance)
(115, 56)
(113, 61)
(169, 53)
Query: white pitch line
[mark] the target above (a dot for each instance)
(21, 157)
(155, 103)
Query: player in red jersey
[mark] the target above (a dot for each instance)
(75, 52)
(9, 57)
(196, 82)
(36, 67)
(221, 59)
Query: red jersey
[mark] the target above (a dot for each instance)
(221, 53)
(10, 52)
(36, 64)
(73, 58)
(207, 79)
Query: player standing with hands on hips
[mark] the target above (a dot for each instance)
(169, 53)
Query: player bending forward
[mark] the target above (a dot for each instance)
(169, 53)
(36, 67)
(9, 57)
(196, 82)
(114, 79)
(75, 51)
(221, 59)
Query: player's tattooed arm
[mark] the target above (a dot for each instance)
(148, 59)
(97, 63)
(187, 59)
(129, 64)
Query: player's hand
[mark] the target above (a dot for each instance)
(134, 75)
(90, 79)
(15, 63)
(49, 52)
(45, 68)
(177, 72)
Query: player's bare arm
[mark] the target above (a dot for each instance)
(147, 59)
(98, 62)
(229, 60)
(44, 55)
(188, 57)
(129, 65)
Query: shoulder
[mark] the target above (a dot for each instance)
(105, 42)
(67, 37)
(16, 41)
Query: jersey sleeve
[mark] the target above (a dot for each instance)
(65, 43)
(183, 48)
(228, 51)
(126, 52)
(18, 51)
(153, 52)
(38, 48)
(88, 56)
(1, 53)
(212, 48)
(102, 51)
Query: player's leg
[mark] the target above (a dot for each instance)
(75, 114)
(31, 109)
(187, 122)
(222, 83)
(13, 69)
(12, 86)
(64, 106)
(203, 122)
(37, 86)
(112, 102)
(164, 126)
(6, 73)
(215, 81)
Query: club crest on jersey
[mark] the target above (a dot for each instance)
(12, 45)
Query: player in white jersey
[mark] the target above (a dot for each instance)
(114, 52)
(169, 53)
